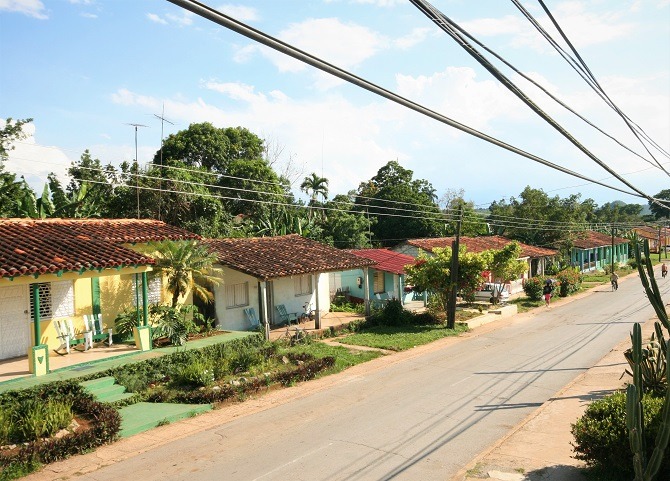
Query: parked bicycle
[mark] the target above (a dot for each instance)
(309, 314)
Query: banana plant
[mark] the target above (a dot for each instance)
(647, 470)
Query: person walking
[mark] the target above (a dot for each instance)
(614, 279)
(546, 291)
(664, 270)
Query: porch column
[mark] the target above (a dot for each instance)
(366, 290)
(36, 313)
(317, 316)
(401, 290)
(145, 299)
(263, 288)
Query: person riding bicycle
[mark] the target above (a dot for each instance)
(664, 270)
(614, 278)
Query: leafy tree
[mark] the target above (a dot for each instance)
(343, 227)
(403, 208)
(434, 273)
(33, 207)
(658, 211)
(473, 224)
(10, 189)
(537, 219)
(505, 266)
(96, 198)
(203, 145)
(187, 266)
(618, 212)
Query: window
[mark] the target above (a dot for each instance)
(56, 300)
(154, 290)
(378, 282)
(237, 295)
(302, 285)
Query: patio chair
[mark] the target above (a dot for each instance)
(285, 316)
(68, 336)
(250, 313)
(93, 325)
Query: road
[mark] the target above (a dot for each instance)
(422, 418)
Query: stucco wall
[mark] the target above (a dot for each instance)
(233, 318)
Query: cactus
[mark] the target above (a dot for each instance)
(647, 471)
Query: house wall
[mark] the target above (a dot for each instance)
(598, 257)
(405, 248)
(233, 318)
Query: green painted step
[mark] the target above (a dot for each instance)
(143, 416)
(105, 390)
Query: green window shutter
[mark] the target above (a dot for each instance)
(95, 295)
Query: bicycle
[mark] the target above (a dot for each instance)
(299, 335)
(615, 285)
(309, 314)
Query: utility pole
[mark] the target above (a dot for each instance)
(451, 311)
(612, 271)
(137, 169)
(659, 243)
(160, 175)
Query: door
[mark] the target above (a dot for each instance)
(14, 322)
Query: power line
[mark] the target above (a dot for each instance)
(283, 47)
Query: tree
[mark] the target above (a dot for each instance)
(661, 211)
(343, 227)
(203, 145)
(315, 186)
(11, 132)
(10, 189)
(403, 208)
(433, 273)
(187, 266)
(505, 266)
(473, 224)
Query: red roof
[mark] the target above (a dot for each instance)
(282, 256)
(30, 246)
(480, 244)
(591, 239)
(387, 260)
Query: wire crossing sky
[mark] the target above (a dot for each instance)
(83, 93)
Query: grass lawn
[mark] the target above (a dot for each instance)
(400, 338)
(344, 358)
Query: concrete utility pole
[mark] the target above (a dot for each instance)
(137, 169)
(451, 311)
(612, 253)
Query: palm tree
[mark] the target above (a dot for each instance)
(315, 186)
(187, 265)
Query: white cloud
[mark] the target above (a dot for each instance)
(81, 2)
(239, 12)
(379, 3)
(89, 15)
(344, 45)
(34, 161)
(413, 38)
(32, 8)
(183, 20)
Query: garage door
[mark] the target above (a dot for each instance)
(14, 323)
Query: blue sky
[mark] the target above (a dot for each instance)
(84, 69)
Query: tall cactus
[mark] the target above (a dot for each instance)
(647, 471)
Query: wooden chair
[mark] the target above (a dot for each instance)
(68, 336)
(250, 313)
(285, 316)
(94, 326)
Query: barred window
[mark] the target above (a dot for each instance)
(302, 285)
(237, 295)
(154, 290)
(56, 299)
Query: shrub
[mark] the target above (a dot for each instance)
(124, 323)
(570, 279)
(198, 373)
(174, 323)
(533, 287)
(601, 437)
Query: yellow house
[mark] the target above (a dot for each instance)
(57, 269)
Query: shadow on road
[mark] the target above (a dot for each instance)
(556, 473)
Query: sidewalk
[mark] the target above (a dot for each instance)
(539, 448)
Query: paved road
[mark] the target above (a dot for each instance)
(419, 419)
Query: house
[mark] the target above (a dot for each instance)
(657, 237)
(56, 269)
(264, 272)
(536, 257)
(385, 278)
(593, 250)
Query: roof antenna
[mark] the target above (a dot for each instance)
(160, 175)
(137, 169)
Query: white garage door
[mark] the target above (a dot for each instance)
(14, 322)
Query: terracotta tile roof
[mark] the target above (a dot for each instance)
(387, 260)
(122, 231)
(272, 257)
(591, 239)
(36, 247)
(480, 244)
(650, 232)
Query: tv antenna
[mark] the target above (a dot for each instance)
(160, 175)
(137, 168)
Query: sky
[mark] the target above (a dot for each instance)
(86, 69)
